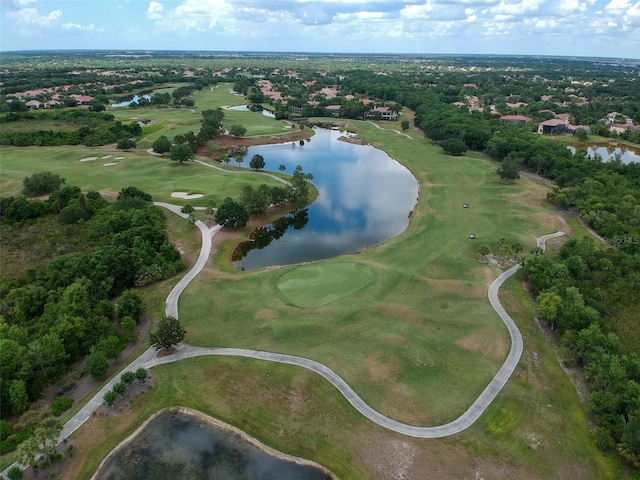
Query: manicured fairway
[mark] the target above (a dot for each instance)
(414, 333)
(111, 170)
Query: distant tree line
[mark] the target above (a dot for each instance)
(98, 129)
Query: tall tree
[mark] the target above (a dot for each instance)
(162, 145)
(181, 153)
(257, 162)
(168, 333)
(232, 214)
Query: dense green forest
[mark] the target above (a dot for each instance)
(82, 302)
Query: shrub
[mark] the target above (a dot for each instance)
(97, 365)
(41, 183)
(120, 388)
(14, 473)
(141, 374)
(5, 429)
(60, 405)
(128, 377)
(110, 397)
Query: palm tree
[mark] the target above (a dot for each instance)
(29, 451)
(483, 250)
(47, 433)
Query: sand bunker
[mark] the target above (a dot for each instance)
(186, 196)
(118, 158)
(109, 164)
(88, 159)
(107, 156)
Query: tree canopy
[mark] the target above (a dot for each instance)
(169, 332)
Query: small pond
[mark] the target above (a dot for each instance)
(365, 198)
(245, 108)
(179, 446)
(129, 100)
(609, 151)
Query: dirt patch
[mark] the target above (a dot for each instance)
(381, 371)
(230, 141)
(297, 401)
(353, 140)
(123, 404)
(266, 315)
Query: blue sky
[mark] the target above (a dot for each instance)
(603, 28)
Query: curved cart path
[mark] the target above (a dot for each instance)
(149, 358)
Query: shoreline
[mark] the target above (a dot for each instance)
(218, 424)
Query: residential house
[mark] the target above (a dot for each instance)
(384, 112)
(559, 126)
(33, 104)
(520, 119)
(334, 110)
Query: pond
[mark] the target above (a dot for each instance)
(130, 100)
(365, 198)
(178, 445)
(609, 151)
(245, 108)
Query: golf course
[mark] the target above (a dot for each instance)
(406, 324)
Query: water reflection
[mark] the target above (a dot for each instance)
(245, 108)
(365, 198)
(129, 100)
(263, 236)
(181, 446)
(608, 152)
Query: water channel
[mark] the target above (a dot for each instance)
(365, 198)
(180, 446)
(608, 151)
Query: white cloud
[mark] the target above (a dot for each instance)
(30, 17)
(198, 15)
(155, 11)
(83, 28)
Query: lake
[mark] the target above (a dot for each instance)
(608, 151)
(365, 198)
(182, 446)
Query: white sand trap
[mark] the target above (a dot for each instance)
(186, 196)
(111, 164)
(118, 158)
(88, 159)
(107, 156)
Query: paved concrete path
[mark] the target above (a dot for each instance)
(149, 358)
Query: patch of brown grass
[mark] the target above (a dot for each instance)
(487, 343)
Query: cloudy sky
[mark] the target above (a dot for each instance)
(603, 28)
